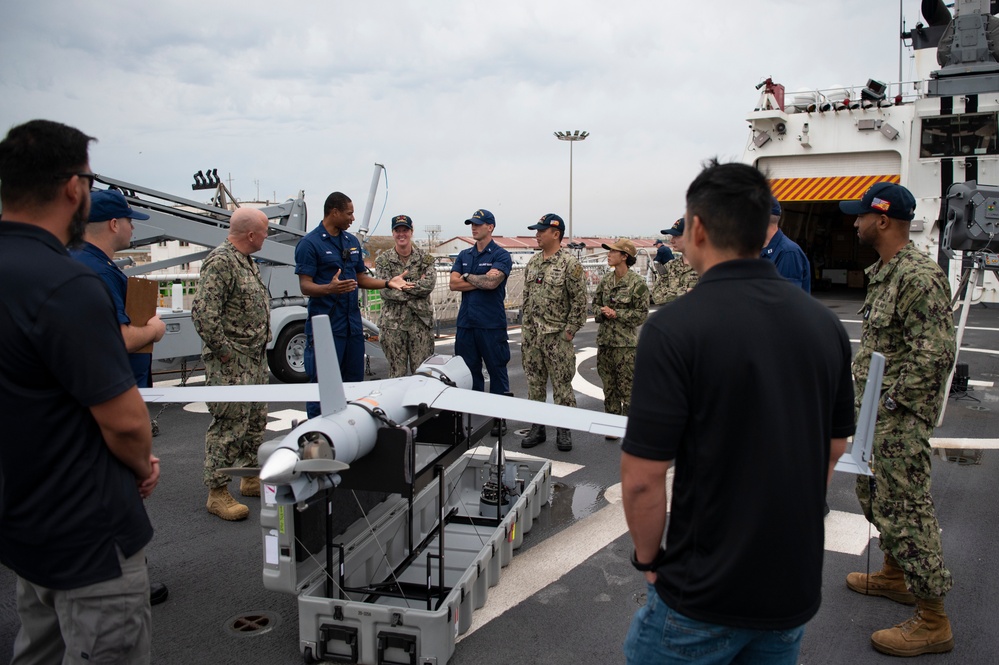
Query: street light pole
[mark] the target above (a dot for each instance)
(571, 137)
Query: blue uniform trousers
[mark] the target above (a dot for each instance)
(489, 346)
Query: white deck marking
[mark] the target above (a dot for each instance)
(548, 561)
(579, 383)
(559, 469)
(848, 533)
(282, 419)
(200, 378)
(968, 444)
(966, 327)
(969, 349)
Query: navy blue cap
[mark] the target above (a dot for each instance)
(774, 206)
(675, 230)
(549, 221)
(885, 198)
(481, 216)
(402, 220)
(106, 204)
(657, 241)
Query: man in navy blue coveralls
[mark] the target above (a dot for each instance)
(110, 230)
(330, 267)
(663, 253)
(785, 253)
(480, 273)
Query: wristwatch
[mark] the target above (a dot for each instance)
(652, 565)
(890, 404)
(464, 276)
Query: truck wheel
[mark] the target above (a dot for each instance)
(308, 656)
(287, 358)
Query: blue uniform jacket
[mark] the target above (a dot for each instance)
(319, 255)
(789, 259)
(117, 284)
(481, 308)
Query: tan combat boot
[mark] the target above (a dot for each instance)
(221, 503)
(888, 582)
(249, 486)
(928, 631)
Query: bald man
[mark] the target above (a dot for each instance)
(231, 312)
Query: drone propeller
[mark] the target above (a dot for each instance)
(321, 466)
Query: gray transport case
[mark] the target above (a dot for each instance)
(393, 588)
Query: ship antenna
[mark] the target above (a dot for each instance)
(901, 45)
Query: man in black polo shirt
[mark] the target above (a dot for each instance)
(75, 449)
(755, 419)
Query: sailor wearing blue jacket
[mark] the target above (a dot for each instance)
(785, 253)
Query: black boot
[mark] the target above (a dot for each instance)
(538, 434)
(499, 427)
(563, 439)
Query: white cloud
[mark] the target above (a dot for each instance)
(458, 99)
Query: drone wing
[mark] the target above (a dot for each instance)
(524, 410)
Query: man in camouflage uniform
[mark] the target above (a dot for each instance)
(554, 310)
(231, 312)
(407, 319)
(907, 317)
(620, 305)
(679, 276)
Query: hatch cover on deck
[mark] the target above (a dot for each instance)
(251, 623)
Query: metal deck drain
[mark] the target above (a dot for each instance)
(250, 624)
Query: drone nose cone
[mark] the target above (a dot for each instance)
(280, 467)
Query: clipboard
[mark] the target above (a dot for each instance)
(141, 297)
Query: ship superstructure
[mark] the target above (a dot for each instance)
(819, 147)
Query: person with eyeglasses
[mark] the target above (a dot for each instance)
(330, 268)
(76, 456)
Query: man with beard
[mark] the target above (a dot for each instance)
(72, 523)
(679, 276)
(907, 318)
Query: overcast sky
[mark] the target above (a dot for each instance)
(459, 100)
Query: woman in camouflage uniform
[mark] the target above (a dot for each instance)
(620, 305)
(407, 318)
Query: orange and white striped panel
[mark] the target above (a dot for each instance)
(841, 188)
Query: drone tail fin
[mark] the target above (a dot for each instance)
(331, 396)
